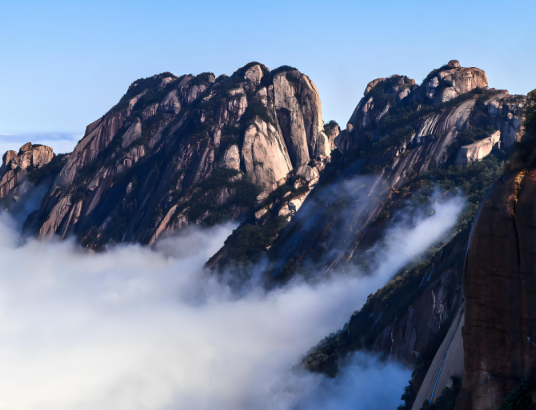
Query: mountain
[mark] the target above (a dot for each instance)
(181, 150)
(314, 200)
(401, 140)
(499, 283)
(401, 136)
(463, 314)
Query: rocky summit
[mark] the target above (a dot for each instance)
(313, 200)
(16, 166)
(181, 150)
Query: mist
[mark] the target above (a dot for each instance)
(141, 328)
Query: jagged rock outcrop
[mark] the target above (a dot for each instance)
(477, 150)
(181, 150)
(399, 131)
(332, 130)
(440, 91)
(392, 139)
(274, 207)
(16, 166)
(507, 112)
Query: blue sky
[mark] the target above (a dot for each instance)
(63, 64)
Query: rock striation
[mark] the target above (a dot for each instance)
(398, 130)
(442, 90)
(16, 166)
(500, 324)
(182, 150)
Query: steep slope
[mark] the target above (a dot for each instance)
(21, 171)
(499, 283)
(401, 141)
(398, 131)
(181, 150)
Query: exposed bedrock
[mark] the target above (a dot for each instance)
(16, 166)
(396, 132)
(478, 150)
(181, 150)
(500, 291)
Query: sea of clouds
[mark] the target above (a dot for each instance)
(146, 328)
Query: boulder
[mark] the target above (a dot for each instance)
(254, 74)
(231, 158)
(477, 150)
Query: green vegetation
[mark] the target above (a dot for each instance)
(239, 74)
(268, 78)
(434, 73)
(472, 180)
(204, 197)
(329, 126)
(447, 400)
(150, 84)
(393, 140)
(286, 190)
(524, 156)
(383, 94)
(468, 136)
(520, 398)
(248, 243)
(387, 304)
(408, 112)
(255, 109)
(409, 395)
(38, 175)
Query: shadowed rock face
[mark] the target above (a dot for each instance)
(15, 166)
(182, 150)
(396, 131)
(500, 292)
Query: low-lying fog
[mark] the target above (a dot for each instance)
(135, 328)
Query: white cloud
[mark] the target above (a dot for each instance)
(134, 328)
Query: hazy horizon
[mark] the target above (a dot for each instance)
(70, 71)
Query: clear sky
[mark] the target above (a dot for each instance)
(63, 64)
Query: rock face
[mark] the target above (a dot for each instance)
(507, 112)
(181, 150)
(499, 336)
(441, 89)
(398, 131)
(16, 166)
(275, 206)
(392, 138)
(413, 139)
(477, 150)
(332, 131)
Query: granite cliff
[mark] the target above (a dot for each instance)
(181, 150)
(22, 171)
(402, 140)
(314, 199)
(399, 134)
